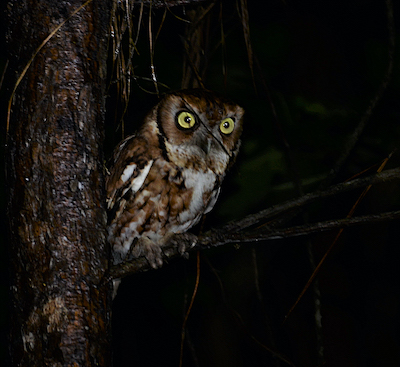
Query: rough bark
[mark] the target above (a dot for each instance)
(60, 313)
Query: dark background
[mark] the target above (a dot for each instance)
(322, 63)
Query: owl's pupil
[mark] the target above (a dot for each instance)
(226, 125)
(188, 119)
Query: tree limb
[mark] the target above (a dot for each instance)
(298, 203)
(241, 231)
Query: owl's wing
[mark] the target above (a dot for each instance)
(131, 165)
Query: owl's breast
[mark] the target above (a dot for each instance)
(183, 196)
(204, 187)
(171, 199)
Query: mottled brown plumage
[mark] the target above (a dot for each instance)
(165, 177)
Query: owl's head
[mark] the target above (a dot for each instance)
(197, 128)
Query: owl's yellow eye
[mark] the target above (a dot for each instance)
(226, 126)
(186, 120)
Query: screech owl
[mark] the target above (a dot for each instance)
(165, 177)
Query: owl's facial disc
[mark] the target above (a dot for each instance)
(213, 126)
(188, 120)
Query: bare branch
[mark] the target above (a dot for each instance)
(297, 230)
(241, 232)
(167, 3)
(353, 139)
(274, 211)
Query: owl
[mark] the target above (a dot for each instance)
(168, 175)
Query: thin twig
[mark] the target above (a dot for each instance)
(321, 262)
(218, 238)
(238, 318)
(196, 286)
(353, 139)
(152, 68)
(279, 209)
(4, 73)
(244, 16)
(167, 3)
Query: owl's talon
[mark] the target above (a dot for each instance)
(151, 251)
(182, 241)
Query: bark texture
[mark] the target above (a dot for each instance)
(60, 310)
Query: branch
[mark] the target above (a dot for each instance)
(218, 238)
(298, 203)
(240, 231)
(167, 3)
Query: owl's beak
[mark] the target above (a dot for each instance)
(205, 145)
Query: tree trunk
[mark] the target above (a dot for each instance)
(60, 309)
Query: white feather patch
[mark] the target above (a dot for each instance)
(200, 182)
(128, 172)
(137, 182)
